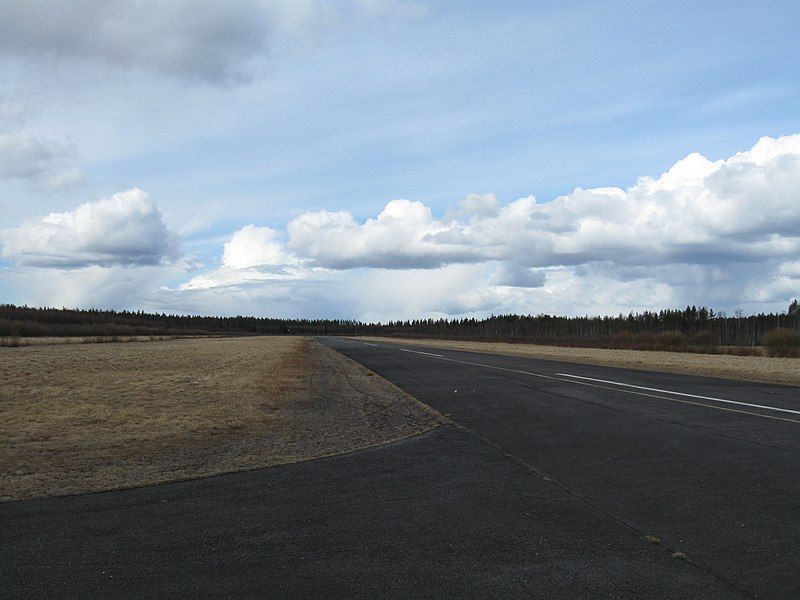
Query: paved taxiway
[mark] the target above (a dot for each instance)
(546, 484)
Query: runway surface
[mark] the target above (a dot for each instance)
(555, 480)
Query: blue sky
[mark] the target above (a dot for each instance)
(282, 109)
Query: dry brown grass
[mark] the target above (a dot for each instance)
(79, 418)
(651, 539)
(16, 341)
(762, 369)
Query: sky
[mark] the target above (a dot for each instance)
(390, 159)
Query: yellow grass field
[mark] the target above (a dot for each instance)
(90, 417)
(785, 371)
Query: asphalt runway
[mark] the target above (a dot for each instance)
(555, 480)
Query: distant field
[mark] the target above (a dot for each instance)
(94, 339)
(784, 371)
(89, 417)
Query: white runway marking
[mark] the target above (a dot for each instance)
(575, 378)
(425, 353)
(649, 389)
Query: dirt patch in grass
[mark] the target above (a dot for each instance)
(81, 418)
(762, 369)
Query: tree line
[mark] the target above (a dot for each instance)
(669, 327)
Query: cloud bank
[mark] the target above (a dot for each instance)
(724, 233)
(745, 208)
(703, 231)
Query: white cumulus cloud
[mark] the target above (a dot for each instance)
(253, 246)
(401, 236)
(124, 229)
(252, 255)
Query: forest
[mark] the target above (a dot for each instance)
(692, 328)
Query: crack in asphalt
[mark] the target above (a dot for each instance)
(533, 470)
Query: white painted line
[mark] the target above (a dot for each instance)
(368, 344)
(572, 378)
(649, 389)
(425, 353)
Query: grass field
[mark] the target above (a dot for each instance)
(89, 417)
(14, 341)
(762, 369)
